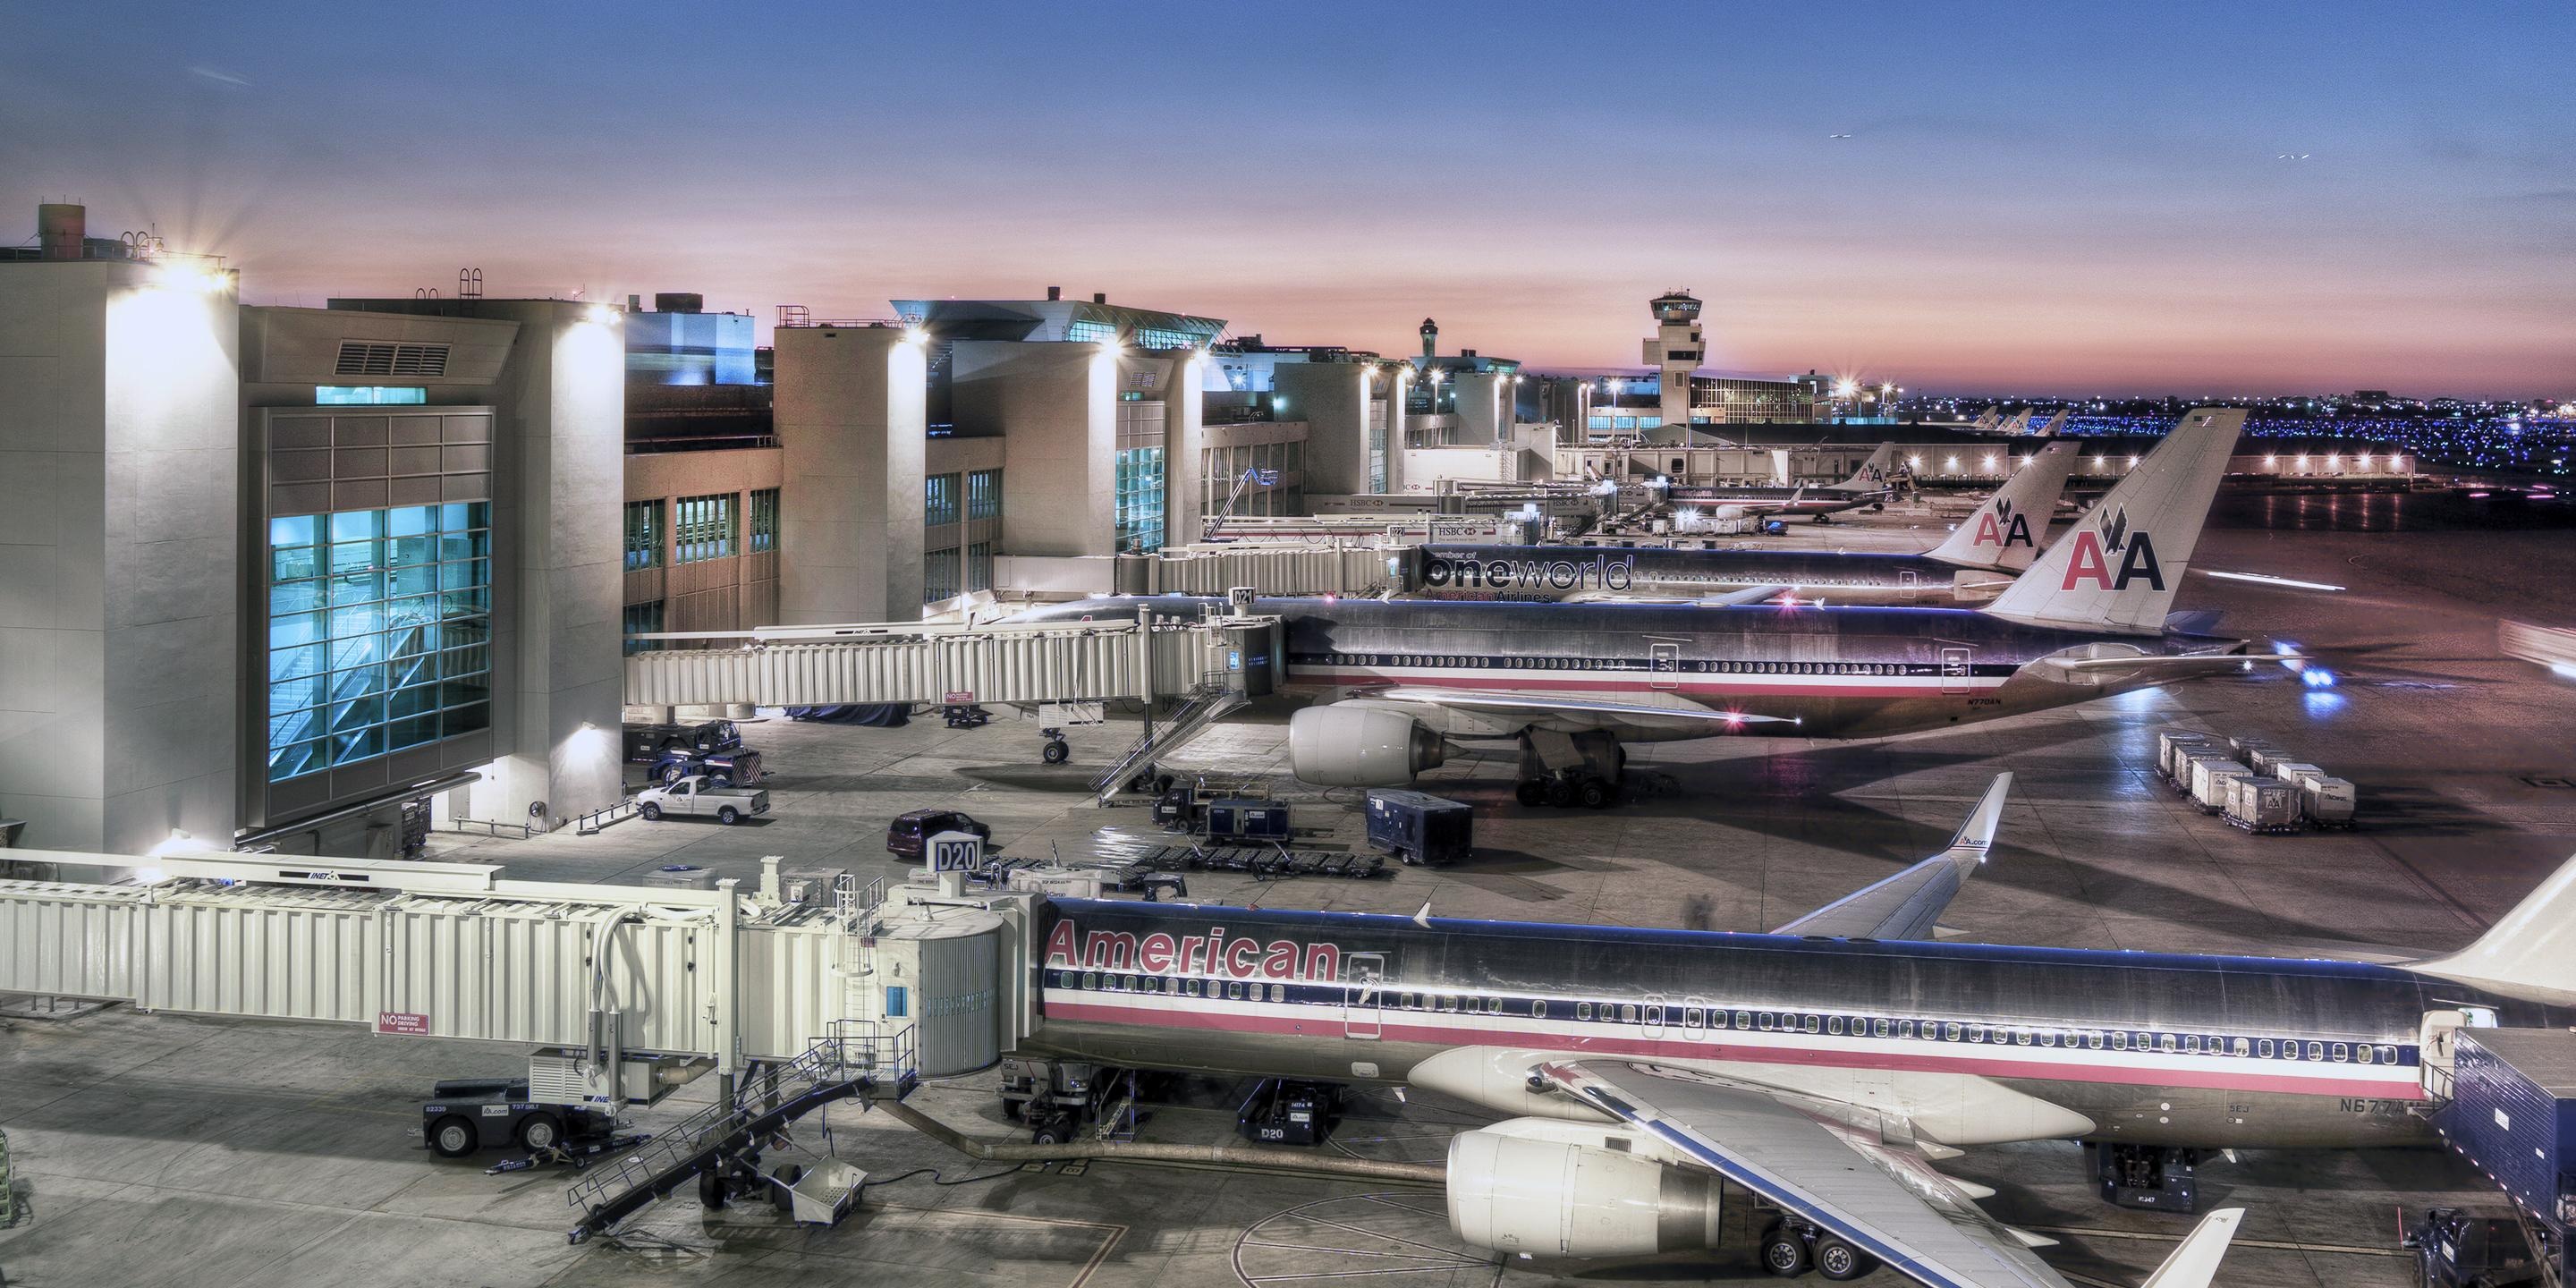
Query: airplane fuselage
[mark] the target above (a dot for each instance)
(1812, 672)
(1540, 574)
(2153, 1049)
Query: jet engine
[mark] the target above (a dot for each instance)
(1513, 1193)
(1354, 746)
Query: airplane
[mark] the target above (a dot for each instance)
(2056, 425)
(1986, 420)
(1868, 485)
(1827, 1066)
(1396, 682)
(2000, 537)
(2018, 425)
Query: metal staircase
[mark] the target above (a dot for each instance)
(855, 1062)
(1211, 699)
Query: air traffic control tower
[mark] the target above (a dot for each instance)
(1676, 350)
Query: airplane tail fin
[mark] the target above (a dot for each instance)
(2531, 954)
(2055, 424)
(2194, 1263)
(2119, 569)
(1872, 474)
(2007, 530)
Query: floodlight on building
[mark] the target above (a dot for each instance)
(603, 314)
(915, 335)
(2133, 462)
(1846, 388)
(173, 275)
(1990, 462)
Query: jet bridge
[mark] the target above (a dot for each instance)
(921, 663)
(453, 950)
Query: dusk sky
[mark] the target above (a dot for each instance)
(2041, 198)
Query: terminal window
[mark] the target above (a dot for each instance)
(939, 575)
(764, 520)
(643, 534)
(643, 619)
(1099, 332)
(939, 500)
(984, 494)
(368, 396)
(1140, 500)
(979, 566)
(702, 528)
(379, 631)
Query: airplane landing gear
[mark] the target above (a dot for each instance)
(1565, 770)
(1057, 750)
(1792, 1247)
(2146, 1176)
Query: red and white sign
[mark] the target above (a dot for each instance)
(402, 1023)
(959, 698)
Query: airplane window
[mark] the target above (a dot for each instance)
(2367, 1055)
(1408, 1001)
(2236, 1046)
(1279, 992)
(1834, 1025)
(1583, 1010)
(1905, 1028)
(1976, 1033)
(1949, 1032)
(2093, 1040)
(1654, 1015)
(1627, 1014)
(1190, 986)
(2265, 1048)
(1878, 1028)
(2119, 1040)
(1091, 979)
(2388, 1055)
(1493, 1006)
(1690, 1017)
(2168, 1044)
(2316, 1050)
(2342, 1052)
(1813, 1023)
(2048, 1037)
(1538, 1010)
(2191, 1044)
(1233, 991)
(2021, 1037)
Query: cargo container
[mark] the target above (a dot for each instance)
(2204, 768)
(2174, 750)
(2327, 802)
(1420, 828)
(2295, 772)
(2267, 761)
(2512, 1112)
(1247, 820)
(2262, 805)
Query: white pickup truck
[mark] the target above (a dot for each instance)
(697, 795)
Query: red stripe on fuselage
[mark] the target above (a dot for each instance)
(1929, 688)
(1393, 1028)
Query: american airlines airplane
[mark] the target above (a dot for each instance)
(1868, 485)
(1396, 682)
(1827, 1066)
(2000, 537)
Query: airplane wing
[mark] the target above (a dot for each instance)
(2182, 666)
(1906, 905)
(1643, 707)
(1897, 1208)
(1723, 599)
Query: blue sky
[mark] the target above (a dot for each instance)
(2034, 197)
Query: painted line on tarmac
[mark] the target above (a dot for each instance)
(2277, 1245)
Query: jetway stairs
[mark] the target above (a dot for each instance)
(854, 1063)
(1210, 700)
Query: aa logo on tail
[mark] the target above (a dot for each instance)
(2093, 548)
(2003, 528)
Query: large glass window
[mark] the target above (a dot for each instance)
(984, 494)
(939, 500)
(367, 396)
(1154, 337)
(702, 528)
(979, 566)
(1140, 500)
(1093, 331)
(764, 520)
(643, 534)
(379, 632)
(939, 575)
(643, 619)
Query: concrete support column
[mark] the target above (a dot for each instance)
(851, 428)
(1184, 448)
(1056, 404)
(1333, 399)
(1484, 418)
(1398, 382)
(557, 527)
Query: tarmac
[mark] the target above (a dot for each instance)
(166, 1149)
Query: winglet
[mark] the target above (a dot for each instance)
(1978, 832)
(2530, 954)
(2195, 1263)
